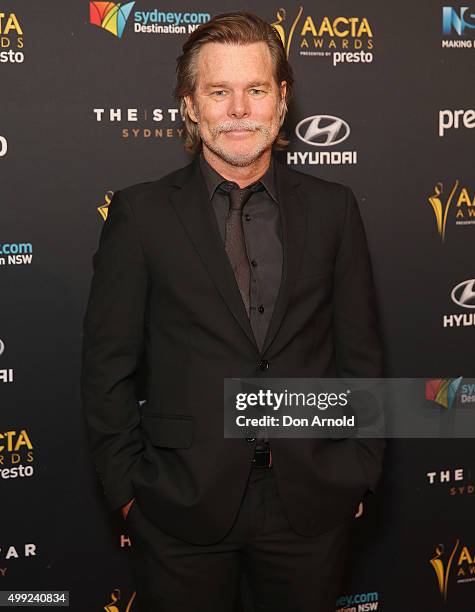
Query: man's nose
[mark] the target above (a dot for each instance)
(238, 106)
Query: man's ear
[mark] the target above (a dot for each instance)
(190, 107)
(283, 90)
(282, 101)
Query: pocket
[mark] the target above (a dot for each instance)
(168, 430)
(314, 273)
(315, 266)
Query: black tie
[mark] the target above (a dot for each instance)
(234, 241)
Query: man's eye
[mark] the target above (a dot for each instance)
(219, 93)
(256, 92)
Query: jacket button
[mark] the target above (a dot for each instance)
(250, 440)
(263, 364)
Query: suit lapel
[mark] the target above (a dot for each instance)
(293, 214)
(191, 202)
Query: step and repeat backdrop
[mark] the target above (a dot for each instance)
(384, 102)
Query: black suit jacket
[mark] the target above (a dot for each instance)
(164, 301)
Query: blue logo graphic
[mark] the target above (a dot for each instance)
(457, 19)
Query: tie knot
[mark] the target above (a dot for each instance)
(238, 197)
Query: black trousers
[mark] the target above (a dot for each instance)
(286, 572)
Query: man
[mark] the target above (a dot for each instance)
(234, 266)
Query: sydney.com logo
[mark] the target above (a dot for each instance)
(110, 16)
(113, 16)
(448, 392)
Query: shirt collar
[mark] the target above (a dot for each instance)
(213, 179)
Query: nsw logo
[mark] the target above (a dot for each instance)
(458, 20)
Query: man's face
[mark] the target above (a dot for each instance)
(237, 103)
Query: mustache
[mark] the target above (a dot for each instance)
(242, 124)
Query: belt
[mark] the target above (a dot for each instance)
(262, 458)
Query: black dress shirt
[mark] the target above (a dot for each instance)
(263, 237)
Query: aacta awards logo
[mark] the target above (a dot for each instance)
(454, 201)
(16, 454)
(103, 209)
(118, 603)
(443, 564)
(110, 16)
(340, 39)
(11, 39)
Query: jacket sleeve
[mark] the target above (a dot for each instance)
(358, 349)
(113, 336)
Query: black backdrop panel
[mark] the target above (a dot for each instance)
(84, 112)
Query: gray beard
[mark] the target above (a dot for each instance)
(235, 159)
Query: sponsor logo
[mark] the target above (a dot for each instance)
(110, 16)
(359, 602)
(142, 123)
(15, 551)
(113, 17)
(458, 22)
(463, 212)
(3, 146)
(16, 455)
(448, 392)
(168, 22)
(284, 29)
(16, 253)
(103, 209)
(443, 391)
(443, 566)
(456, 560)
(6, 374)
(454, 119)
(340, 39)
(322, 131)
(12, 551)
(11, 39)
(456, 481)
(120, 603)
(463, 294)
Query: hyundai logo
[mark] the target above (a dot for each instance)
(463, 294)
(322, 130)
